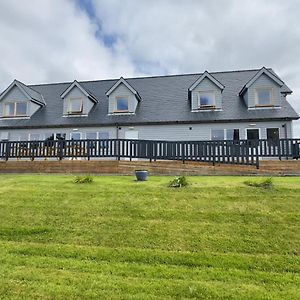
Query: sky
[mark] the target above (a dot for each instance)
(46, 41)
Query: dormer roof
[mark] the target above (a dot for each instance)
(206, 74)
(123, 81)
(262, 71)
(28, 92)
(86, 92)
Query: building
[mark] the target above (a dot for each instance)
(247, 104)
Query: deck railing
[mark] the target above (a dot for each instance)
(244, 152)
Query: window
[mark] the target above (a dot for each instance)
(103, 135)
(15, 109)
(23, 137)
(75, 136)
(273, 134)
(121, 104)
(217, 134)
(206, 99)
(75, 106)
(264, 96)
(252, 134)
(233, 134)
(91, 135)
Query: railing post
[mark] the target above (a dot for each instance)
(60, 149)
(7, 150)
(214, 152)
(183, 152)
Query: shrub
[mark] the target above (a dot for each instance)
(266, 184)
(178, 182)
(83, 179)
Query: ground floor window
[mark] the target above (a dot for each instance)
(75, 136)
(253, 134)
(217, 134)
(233, 134)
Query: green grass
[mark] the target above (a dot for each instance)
(119, 239)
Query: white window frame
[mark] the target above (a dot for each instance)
(259, 132)
(271, 93)
(15, 109)
(198, 93)
(224, 132)
(76, 132)
(69, 111)
(116, 104)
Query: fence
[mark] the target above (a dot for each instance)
(243, 152)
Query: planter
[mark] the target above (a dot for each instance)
(141, 175)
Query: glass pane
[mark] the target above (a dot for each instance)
(252, 134)
(122, 104)
(273, 134)
(60, 136)
(233, 134)
(21, 108)
(264, 96)
(75, 135)
(91, 135)
(75, 105)
(9, 109)
(206, 99)
(103, 135)
(217, 134)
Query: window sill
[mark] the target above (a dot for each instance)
(14, 117)
(264, 107)
(207, 109)
(74, 115)
(118, 113)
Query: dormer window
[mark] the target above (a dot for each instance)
(122, 104)
(15, 109)
(206, 100)
(264, 96)
(75, 106)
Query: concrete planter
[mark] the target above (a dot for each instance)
(141, 175)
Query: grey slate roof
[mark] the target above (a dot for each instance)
(34, 95)
(164, 100)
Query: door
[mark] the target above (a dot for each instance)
(132, 135)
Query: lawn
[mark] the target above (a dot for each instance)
(120, 239)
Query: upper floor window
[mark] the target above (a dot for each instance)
(264, 96)
(15, 109)
(206, 99)
(75, 106)
(122, 104)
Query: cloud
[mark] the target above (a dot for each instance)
(192, 36)
(53, 40)
(63, 40)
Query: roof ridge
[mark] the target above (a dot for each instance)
(145, 77)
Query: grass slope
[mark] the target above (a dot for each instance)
(119, 239)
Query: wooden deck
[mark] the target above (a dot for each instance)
(269, 167)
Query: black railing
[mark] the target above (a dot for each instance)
(243, 152)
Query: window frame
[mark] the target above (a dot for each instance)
(4, 115)
(116, 110)
(211, 135)
(271, 94)
(75, 132)
(206, 106)
(75, 112)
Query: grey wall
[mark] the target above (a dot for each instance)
(76, 93)
(262, 82)
(16, 95)
(122, 90)
(206, 85)
(161, 132)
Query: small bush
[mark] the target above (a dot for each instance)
(266, 184)
(178, 182)
(83, 179)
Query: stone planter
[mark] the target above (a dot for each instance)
(141, 175)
